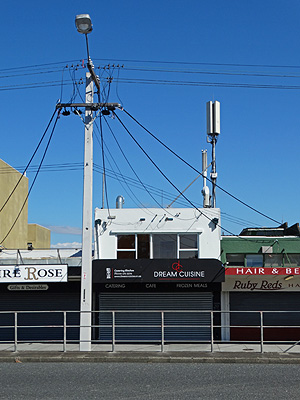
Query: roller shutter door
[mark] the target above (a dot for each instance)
(287, 302)
(146, 326)
(38, 301)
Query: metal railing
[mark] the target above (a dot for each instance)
(205, 329)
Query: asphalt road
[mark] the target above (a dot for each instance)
(148, 381)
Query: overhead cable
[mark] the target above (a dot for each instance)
(27, 166)
(198, 172)
(33, 182)
(164, 175)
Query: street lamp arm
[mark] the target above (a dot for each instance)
(95, 77)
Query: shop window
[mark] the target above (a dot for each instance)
(164, 246)
(292, 260)
(188, 246)
(235, 260)
(126, 242)
(254, 260)
(126, 255)
(273, 260)
(126, 247)
(143, 246)
(133, 246)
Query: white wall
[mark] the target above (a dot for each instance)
(153, 220)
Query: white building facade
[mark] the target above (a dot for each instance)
(153, 264)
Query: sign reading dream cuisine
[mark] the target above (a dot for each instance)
(158, 270)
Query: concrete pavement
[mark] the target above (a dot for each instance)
(146, 353)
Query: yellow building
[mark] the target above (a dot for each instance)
(38, 237)
(21, 234)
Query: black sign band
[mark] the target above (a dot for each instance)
(158, 270)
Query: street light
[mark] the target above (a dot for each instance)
(83, 23)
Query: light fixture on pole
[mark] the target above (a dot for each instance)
(83, 23)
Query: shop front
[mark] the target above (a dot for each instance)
(148, 294)
(33, 296)
(273, 291)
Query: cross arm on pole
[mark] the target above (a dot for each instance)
(92, 106)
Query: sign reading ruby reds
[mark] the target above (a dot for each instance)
(158, 270)
(263, 271)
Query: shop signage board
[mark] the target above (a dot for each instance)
(34, 273)
(160, 287)
(27, 288)
(263, 271)
(158, 270)
(260, 283)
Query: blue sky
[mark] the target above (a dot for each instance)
(243, 54)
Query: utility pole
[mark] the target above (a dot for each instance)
(84, 25)
(87, 223)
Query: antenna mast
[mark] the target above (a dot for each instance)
(205, 190)
(213, 131)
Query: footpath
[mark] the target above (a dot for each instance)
(149, 357)
(145, 353)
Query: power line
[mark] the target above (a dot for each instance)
(189, 165)
(230, 73)
(195, 207)
(209, 84)
(38, 65)
(164, 175)
(34, 153)
(33, 182)
(116, 175)
(121, 178)
(103, 164)
(200, 63)
(120, 148)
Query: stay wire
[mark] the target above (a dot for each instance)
(147, 188)
(117, 87)
(115, 175)
(170, 182)
(137, 202)
(198, 172)
(27, 166)
(33, 182)
(131, 167)
(103, 163)
(62, 83)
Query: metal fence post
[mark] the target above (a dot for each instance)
(65, 332)
(212, 331)
(261, 332)
(162, 331)
(113, 331)
(16, 332)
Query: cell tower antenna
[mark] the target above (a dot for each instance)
(213, 131)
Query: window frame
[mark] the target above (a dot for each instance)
(177, 238)
(190, 249)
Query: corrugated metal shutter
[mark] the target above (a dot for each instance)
(142, 321)
(39, 301)
(289, 301)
